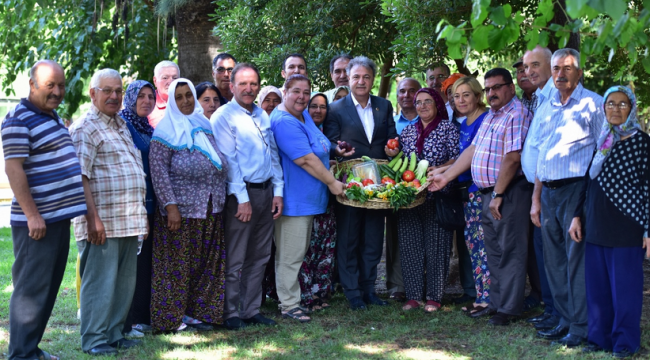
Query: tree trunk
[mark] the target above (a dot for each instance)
(384, 85)
(560, 18)
(196, 44)
(460, 64)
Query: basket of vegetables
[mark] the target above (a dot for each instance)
(379, 184)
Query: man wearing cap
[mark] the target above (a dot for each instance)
(529, 98)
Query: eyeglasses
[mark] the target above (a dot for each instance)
(109, 91)
(316, 107)
(222, 69)
(621, 106)
(427, 102)
(440, 77)
(495, 87)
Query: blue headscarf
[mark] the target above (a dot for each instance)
(611, 134)
(130, 113)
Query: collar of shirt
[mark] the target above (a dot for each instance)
(546, 92)
(507, 107)
(114, 121)
(28, 104)
(576, 95)
(356, 103)
(254, 113)
(160, 103)
(403, 119)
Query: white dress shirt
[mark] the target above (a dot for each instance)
(246, 140)
(530, 153)
(365, 114)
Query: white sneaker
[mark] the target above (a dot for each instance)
(78, 314)
(143, 328)
(134, 334)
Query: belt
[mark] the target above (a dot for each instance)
(556, 184)
(486, 190)
(262, 185)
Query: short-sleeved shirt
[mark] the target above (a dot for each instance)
(501, 132)
(303, 194)
(467, 134)
(401, 122)
(51, 165)
(113, 166)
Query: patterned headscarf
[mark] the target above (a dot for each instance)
(423, 132)
(265, 92)
(332, 94)
(130, 113)
(611, 134)
(327, 105)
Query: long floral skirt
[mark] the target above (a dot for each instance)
(316, 271)
(188, 271)
(474, 239)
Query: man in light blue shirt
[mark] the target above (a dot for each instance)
(567, 132)
(406, 90)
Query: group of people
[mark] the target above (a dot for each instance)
(191, 205)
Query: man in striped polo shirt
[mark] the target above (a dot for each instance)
(45, 177)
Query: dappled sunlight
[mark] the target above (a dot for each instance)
(187, 340)
(9, 288)
(418, 354)
(369, 349)
(203, 355)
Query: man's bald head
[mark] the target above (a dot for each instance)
(33, 72)
(46, 85)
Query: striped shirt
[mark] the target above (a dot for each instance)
(568, 134)
(51, 165)
(530, 153)
(113, 166)
(501, 132)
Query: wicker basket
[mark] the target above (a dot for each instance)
(375, 203)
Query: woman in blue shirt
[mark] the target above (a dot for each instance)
(304, 154)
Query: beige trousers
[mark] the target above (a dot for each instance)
(292, 236)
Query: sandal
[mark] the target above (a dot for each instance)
(297, 314)
(476, 309)
(46, 356)
(431, 306)
(411, 304)
(468, 308)
(319, 304)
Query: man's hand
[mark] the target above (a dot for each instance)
(244, 212)
(340, 152)
(173, 217)
(277, 206)
(437, 182)
(36, 226)
(393, 152)
(535, 211)
(96, 231)
(495, 205)
(575, 230)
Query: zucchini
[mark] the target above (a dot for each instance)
(405, 164)
(394, 161)
(414, 161)
(387, 170)
(397, 165)
(365, 158)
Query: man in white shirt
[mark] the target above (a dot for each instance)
(255, 185)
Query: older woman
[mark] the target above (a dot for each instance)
(208, 96)
(316, 270)
(189, 176)
(424, 245)
(616, 207)
(338, 93)
(467, 97)
(269, 98)
(304, 154)
(139, 101)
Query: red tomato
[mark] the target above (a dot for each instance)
(408, 176)
(416, 183)
(353, 184)
(387, 180)
(367, 182)
(393, 144)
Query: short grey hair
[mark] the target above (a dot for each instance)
(562, 53)
(32, 71)
(103, 74)
(362, 61)
(409, 79)
(163, 64)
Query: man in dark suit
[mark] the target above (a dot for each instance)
(366, 123)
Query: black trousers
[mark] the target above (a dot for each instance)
(37, 274)
(359, 247)
(140, 312)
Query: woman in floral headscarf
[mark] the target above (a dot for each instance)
(615, 208)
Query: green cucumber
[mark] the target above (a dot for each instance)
(365, 158)
(387, 170)
(394, 161)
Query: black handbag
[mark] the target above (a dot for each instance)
(449, 211)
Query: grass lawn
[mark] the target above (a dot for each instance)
(336, 333)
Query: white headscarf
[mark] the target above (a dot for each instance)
(179, 131)
(265, 92)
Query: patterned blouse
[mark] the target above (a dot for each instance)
(187, 179)
(439, 147)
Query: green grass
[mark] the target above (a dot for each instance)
(335, 333)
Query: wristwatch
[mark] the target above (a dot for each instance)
(495, 195)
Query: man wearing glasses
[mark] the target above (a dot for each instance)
(494, 158)
(107, 237)
(163, 74)
(568, 131)
(436, 75)
(222, 66)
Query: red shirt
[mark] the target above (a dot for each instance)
(158, 112)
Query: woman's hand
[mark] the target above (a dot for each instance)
(336, 188)
(340, 152)
(173, 217)
(646, 246)
(391, 152)
(575, 230)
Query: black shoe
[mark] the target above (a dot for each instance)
(500, 319)
(125, 344)
(530, 303)
(234, 323)
(570, 341)
(625, 353)
(592, 348)
(373, 299)
(398, 296)
(357, 304)
(201, 326)
(556, 333)
(258, 319)
(538, 318)
(485, 312)
(463, 299)
(103, 349)
(550, 323)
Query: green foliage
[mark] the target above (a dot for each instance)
(265, 31)
(83, 36)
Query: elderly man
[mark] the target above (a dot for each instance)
(255, 185)
(529, 98)
(365, 122)
(569, 127)
(107, 237)
(45, 178)
(494, 158)
(406, 90)
(163, 74)
(339, 75)
(537, 64)
(435, 76)
(222, 66)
